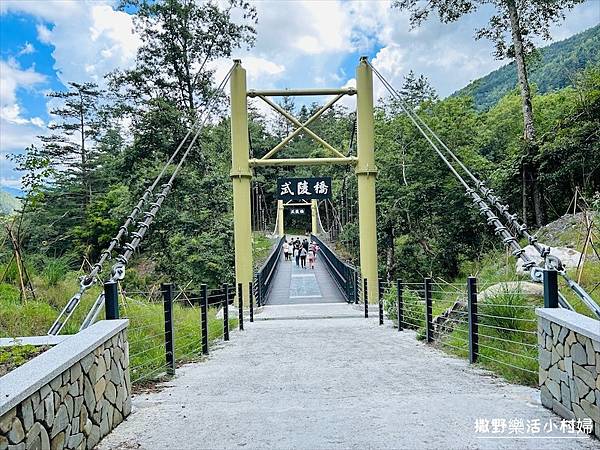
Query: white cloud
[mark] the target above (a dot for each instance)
(90, 39)
(16, 131)
(44, 34)
(27, 49)
(12, 77)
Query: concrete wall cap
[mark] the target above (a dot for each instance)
(33, 340)
(574, 321)
(19, 384)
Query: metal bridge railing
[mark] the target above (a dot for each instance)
(169, 326)
(345, 275)
(495, 328)
(266, 274)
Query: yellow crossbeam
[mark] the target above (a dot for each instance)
(299, 92)
(350, 160)
(302, 126)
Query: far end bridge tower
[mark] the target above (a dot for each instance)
(364, 164)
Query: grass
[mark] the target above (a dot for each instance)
(15, 356)
(53, 288)
(146, 335)
(507, 328)
(261, 248)
(507, 336)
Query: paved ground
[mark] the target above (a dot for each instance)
(331, 383)
(295, 285)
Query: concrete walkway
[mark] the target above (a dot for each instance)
(332, 383)
(295, 285)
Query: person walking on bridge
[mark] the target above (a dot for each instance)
(303, 254)
(297, 251)
(286, 250)
(311, 256)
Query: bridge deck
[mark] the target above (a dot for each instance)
(330, 383)
(294, 285)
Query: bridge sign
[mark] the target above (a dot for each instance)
(298, 211)
(303, 188)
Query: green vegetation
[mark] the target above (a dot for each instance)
(8, 203)
(552, 69)
(507, 322)
(146, 334)
(146, 331)
(261, 248)
(507, 328)
(15, 356)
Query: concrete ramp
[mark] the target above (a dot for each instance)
(294, 285)
(309, 311)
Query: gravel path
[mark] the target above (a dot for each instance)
(331, 383)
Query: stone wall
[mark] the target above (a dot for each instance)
(76, 404)
(569, 357)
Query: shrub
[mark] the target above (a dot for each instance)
(55, 270)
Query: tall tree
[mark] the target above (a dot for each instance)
(517, 22)
(180, 37)
(170, 81)
(69, 147)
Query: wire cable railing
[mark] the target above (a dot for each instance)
(263, 279)
(170, 326)
(346, 276)
(498, 331)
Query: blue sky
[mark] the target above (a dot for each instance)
(45, 44)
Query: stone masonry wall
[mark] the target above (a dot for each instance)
(77, 408)
(569, 373)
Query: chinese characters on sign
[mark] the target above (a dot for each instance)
(298, 211)
(519, 426)
(303, 188)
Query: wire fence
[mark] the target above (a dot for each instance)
(499, 331)
(169, 326)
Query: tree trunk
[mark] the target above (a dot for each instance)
(524, 189)
(390, 255)
(530, 184)
(538, 201)
(84, 175)
(529, 129)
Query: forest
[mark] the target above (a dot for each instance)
(108, 143)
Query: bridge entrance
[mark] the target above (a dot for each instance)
(243, 166)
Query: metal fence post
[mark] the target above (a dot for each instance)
(226, 312)
(399, 303)
(550, 288)
(167, 291)
(251, 299)
(366, 298)
(111, 300)
(473, 325)
(355, 281)
(204, 317)
(380, 301)
(259, 298)
(240, 306)
(428, 310)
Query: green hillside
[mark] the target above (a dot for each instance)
(553, 70)
(8, 203)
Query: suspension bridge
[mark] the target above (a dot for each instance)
(297, 379)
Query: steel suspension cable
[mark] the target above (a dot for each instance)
(118, 269)
(521, 228)
(550, 261)
(491, 218)
(92, 277)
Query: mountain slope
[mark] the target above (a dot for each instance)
(8, 203)
(554, 70)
